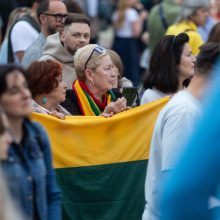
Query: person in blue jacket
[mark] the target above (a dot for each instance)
(196, 177)
(28, 169)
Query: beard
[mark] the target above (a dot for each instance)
(52, 30)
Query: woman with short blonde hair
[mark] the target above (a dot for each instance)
(91, 93)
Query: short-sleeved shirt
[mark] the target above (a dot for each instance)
(131, 16)
(151, 95)
(174, 125)
(22, 36)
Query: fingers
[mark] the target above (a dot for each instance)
(58, 115)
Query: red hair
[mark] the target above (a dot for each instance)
(41, 76)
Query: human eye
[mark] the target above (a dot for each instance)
(109, 67)
(12, 91)
(86, 36)
(76, 34)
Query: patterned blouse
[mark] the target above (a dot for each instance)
(40, 109)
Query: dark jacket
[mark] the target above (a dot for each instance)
(71, 102)
(30, 175)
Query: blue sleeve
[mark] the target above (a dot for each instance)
(197, 175)
(53, 192)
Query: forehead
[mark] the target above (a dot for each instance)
(14, 78)
(78, 27)
(56, 6)
(104, 60)
(186, 48)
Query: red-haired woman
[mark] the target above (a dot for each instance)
(47, 87)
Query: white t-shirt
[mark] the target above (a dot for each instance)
(173, 127)
(131, 16)
(151, 95)
(22, 36)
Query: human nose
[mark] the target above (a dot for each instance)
(64, 85)
(193, 58)
(26, 93)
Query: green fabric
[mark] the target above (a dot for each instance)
(155, 26)
(94, 107)
(103, 192)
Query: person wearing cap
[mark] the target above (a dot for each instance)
(193, 14)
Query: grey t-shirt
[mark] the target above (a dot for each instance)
(173, 127)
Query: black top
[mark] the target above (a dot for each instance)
(71, 102)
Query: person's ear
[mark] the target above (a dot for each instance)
(89, 76)
(62, 36)
(42, 19)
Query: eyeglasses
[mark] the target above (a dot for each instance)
(97, 49)
(58, 17)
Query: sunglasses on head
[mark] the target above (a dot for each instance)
(97, 49)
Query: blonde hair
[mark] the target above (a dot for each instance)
(84, 59)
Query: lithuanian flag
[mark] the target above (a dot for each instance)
(101, 162)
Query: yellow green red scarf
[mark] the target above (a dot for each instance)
(89, 105)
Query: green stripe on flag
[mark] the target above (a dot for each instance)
(103, 192)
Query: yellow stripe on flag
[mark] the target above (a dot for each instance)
(94, 140)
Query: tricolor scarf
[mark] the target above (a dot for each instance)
(88, 103)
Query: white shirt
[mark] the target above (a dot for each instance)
(151, 95)
(173, 127)
(131, 16)
(22, 36)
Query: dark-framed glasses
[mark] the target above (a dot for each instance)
(58, 17)
(97, 49)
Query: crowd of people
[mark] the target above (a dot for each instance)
(52, 62)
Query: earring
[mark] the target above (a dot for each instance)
(44, 100)
(92, 82)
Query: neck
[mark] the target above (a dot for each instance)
(16, 128)
(97, 93)
(197, 85)
(45, 32)
(181, 87)
(50, 105)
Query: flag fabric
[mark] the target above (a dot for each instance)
(101, 162)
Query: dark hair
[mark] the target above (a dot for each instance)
(163, 71)
(29, 3)
(41, 76)
(5, 70)
(73, 6)
(214, 35)
(42, 7)
(76, 18)
(207, 57)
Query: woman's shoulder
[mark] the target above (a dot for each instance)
(132, 13)
(33, 126)
(71, 103)
(151, 95)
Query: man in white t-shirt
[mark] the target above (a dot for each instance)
(23, 33)
(173, 127)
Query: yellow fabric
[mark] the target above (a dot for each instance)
(84, 101)
(88, 140)
(195, 40)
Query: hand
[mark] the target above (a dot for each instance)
(107, 115)
(58, 115)
(116, 107)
